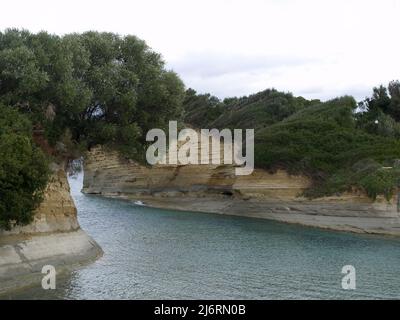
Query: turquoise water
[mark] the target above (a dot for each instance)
(163, 254)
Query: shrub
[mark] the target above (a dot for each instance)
(23, 170)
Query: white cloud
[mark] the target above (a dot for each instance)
(314, 48)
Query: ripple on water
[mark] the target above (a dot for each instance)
(159, 254)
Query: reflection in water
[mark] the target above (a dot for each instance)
(163, 254)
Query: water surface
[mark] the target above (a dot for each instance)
(163, 254)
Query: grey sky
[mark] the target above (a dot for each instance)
(314, 48)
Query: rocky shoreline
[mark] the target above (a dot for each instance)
(23, 258)
(53, 238)
(337, 217)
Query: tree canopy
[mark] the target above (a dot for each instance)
(77, 90)
(103, 88)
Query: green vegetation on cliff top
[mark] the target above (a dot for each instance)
(339, 144)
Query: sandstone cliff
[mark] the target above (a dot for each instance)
(215, 188)
(54, 237)
(56, 213)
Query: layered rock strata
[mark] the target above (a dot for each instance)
(215, 188)
(53, 238)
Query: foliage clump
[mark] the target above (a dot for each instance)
(77, 91)
(340, 144)
(24, 169)
(102, 88)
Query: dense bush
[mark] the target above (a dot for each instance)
(201, 109)
(324, 143)
(23, 169)
(255, 111)
(329, 142)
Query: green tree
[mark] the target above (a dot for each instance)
(23, 169)
(104, 88)
(394, 107)
(81, 90)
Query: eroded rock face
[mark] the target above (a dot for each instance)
(215, 188)
(56, 213)
(107, 173)
(53, 238)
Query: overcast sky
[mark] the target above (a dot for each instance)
(314, 48)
